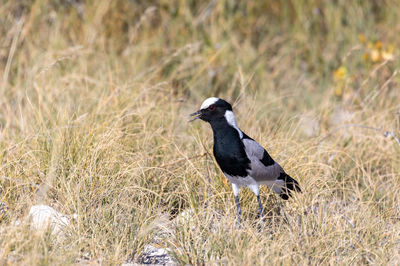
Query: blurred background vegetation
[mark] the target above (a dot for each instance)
(315, 37)
(94, 97)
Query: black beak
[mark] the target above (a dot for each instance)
(196, 116)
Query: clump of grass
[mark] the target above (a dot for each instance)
(95, 98)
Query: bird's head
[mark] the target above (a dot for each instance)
(212, 109)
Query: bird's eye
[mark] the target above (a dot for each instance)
(211, 108)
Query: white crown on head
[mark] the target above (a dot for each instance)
(209, 102)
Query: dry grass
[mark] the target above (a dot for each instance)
(94, 103)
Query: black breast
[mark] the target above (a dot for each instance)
(229, 152)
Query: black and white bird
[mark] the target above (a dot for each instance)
(243, 161)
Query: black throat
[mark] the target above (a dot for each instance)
(221, 126)
(228, 149)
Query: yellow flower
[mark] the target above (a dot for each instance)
(378, 45)
(362, 38)
(365, 56)
(375, 56)
(388, 54)
(340, 73)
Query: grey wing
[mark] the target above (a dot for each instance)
(263, 168)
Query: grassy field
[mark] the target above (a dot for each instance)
(95, 97)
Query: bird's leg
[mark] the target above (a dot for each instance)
(261, 209)
(236, 189)
(238, 210)
(256, 190)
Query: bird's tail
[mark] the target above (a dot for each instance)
(289, 185)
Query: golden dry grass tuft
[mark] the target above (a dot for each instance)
(94, 100)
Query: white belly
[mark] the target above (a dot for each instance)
(241, 181)
(250, 182)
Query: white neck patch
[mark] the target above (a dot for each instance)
(209, 102)
(230, 118)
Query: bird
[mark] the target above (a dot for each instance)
(242, 160)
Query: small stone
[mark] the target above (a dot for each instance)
(156, 256)
(43, 216)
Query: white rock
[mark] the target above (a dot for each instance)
(43, 216)
(152, 256)
(156, 256)
(186, 216)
